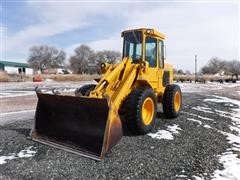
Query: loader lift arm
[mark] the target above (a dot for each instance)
(117, 82)
(115, 86)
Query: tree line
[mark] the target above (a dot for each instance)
(84, 59)
(216, 65)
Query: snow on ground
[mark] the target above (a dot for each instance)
(194, 120)
(207, 126)
(6, 94)
(166, 134)
(9, 117)
(203, 109)
(28, 88)
(198, 116)
(229, 159)
(25, 153)
(231, 167)
(200, 87)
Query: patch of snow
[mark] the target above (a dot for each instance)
(205, 118)
(231, 164)
(181, 176)
(17, 112)
(28, 88)
(166, 134)
(228, 104)
(4, 158)
(207, 126)
(197, 177)
(234, 128)
(7, 94)
(233, 85)
(232, 139)
(10, 117)
(28, 152)
(220, 99)
(203, 109)
(196, 115)
(174, 129)
(161, 134)
(194, 120)
(229, 159)
(222, 112)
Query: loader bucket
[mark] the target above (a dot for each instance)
(82, 125)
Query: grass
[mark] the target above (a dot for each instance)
(4, 77)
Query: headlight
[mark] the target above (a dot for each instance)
(103, 65)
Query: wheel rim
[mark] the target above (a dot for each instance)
(177, 101)
(147, 111)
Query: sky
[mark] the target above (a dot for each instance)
(208, 29)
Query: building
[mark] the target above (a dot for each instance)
(15, 67)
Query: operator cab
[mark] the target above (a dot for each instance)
(147, 43)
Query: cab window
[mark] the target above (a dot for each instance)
(133, 45)
(150, 51)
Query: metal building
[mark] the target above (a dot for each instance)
(15, 67)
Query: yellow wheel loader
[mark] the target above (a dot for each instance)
(90, 123)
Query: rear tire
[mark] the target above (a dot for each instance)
(84, 90)
(140, 110)
(172, 101)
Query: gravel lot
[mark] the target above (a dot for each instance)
(202, 143)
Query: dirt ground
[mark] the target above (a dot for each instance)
(202, 143)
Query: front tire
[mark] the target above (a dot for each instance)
(172, 101)
(84, 90)
(140, 110)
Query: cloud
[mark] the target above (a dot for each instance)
(52, 20)
(206, 29)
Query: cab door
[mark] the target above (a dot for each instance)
(161, 58)
(151, 46)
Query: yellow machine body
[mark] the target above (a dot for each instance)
(91, 125)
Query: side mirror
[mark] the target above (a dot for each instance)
(164, 54)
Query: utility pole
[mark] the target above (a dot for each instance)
(195, 68)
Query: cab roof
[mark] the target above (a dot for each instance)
(153, 32)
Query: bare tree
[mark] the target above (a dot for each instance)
(216, 65)
(234, 66)
(108, 56)
(44, 56)
(80, 60)
(213, 66)
(85, 60)
(180, 71)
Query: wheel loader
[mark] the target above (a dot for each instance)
(89, 123)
